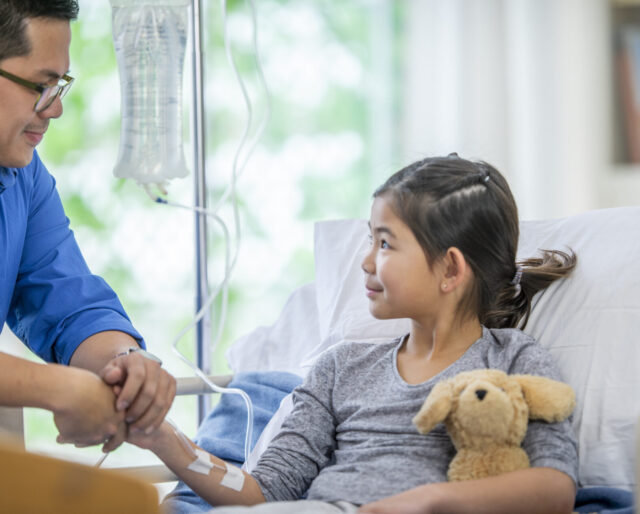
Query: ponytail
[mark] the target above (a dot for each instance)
(513, 303)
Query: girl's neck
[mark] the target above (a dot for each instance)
(429, 349)
(434, 340)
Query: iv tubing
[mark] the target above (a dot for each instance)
(201, 210)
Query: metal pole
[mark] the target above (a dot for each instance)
(203, 328)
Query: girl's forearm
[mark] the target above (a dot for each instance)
(207, 483)
(529, 491)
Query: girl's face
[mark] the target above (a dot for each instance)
(399, 282)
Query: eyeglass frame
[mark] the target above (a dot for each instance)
(62, 89)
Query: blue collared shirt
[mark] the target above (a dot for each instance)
(48, 296)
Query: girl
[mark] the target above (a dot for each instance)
(444, 233)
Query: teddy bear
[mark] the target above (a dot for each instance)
(486, 413)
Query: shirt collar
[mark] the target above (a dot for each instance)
(7, 177)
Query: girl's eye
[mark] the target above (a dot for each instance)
(384, 244)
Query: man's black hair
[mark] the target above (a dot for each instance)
(13, 17)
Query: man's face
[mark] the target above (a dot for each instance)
(21, 129)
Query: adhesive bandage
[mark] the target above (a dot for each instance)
(233, 478)
(202, 464)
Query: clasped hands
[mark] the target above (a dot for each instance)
(131, 393)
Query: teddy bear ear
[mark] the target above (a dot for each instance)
(435, 408)
(547, 399)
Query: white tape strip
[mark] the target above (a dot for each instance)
(233, 478)
(202, 464)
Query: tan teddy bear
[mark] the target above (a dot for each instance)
(486, 413)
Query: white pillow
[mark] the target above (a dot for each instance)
(284, 345)
(319, 316)
(588, 322)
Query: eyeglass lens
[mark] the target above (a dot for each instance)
(48, 96)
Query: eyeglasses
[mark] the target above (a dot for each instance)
(47, 94)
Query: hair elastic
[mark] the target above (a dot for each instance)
(515, 281)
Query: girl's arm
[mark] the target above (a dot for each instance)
(164, 442)
(528, 491)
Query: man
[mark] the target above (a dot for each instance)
(48, 296)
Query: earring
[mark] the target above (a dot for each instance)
(444, 286)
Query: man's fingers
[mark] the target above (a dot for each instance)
(144, 391)
(136, 378)
(83, 442)
(112, 374)
(116, 440)
(155, 414)
(147, 391)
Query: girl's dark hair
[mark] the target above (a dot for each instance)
(452, 202)
(13, 16)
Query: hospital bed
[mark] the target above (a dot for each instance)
(590, 322)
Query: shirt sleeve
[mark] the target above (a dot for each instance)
(306, 441)
(552, 445)
(57, 302)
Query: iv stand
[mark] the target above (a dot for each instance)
(203, 328)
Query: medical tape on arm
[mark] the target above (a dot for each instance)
(232, 479)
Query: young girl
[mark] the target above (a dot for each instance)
(444, 233)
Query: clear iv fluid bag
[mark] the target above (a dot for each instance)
(150, 40)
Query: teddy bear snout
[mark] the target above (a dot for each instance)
(481, 393)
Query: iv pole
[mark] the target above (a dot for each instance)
(203, 327)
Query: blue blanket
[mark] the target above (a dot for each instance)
(222, 432)
(604, 500)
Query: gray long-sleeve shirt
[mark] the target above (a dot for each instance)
(350, 435)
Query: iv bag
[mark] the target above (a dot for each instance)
(150, 39)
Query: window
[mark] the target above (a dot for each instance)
(330, 141)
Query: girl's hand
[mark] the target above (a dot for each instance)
(413, 501)
(149, 441)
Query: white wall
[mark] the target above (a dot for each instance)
(524, 85)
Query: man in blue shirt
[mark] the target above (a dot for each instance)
(48, 296)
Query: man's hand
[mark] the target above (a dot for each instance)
(144, 390)
(85, 412)
(161, 436)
